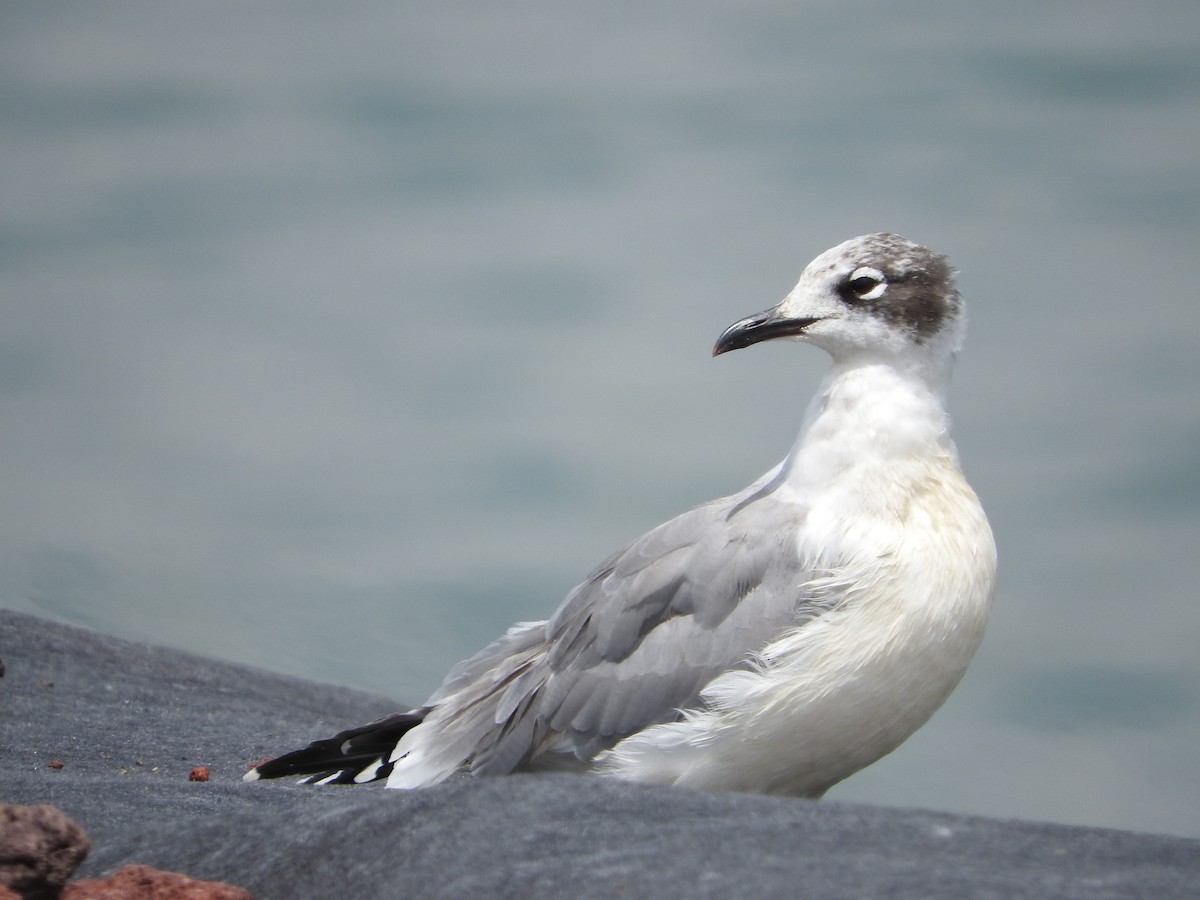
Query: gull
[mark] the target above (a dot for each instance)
(773, 641)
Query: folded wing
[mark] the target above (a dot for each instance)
(632, 646)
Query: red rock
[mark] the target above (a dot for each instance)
(145, 883)
(56, 764)
(200, 773)
(40, 847)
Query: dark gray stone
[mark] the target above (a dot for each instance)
(130, 721)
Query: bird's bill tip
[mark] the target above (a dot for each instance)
(759, 327)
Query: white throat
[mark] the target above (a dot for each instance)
(867, 415)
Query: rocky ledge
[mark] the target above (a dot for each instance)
(113, 733)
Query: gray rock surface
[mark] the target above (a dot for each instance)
(130, 721)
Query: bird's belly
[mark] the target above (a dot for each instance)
(827, 702)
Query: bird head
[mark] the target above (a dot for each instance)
(875, 296)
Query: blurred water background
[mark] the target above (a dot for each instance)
(337, 337)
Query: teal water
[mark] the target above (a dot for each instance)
(336, 339)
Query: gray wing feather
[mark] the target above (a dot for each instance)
(636, 641)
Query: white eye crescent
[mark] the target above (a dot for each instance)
(866, 283)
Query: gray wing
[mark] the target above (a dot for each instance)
(638, 640)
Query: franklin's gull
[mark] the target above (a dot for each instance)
(776, 640)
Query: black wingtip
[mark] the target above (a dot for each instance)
(344, 757)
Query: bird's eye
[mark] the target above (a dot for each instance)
(864, 283)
